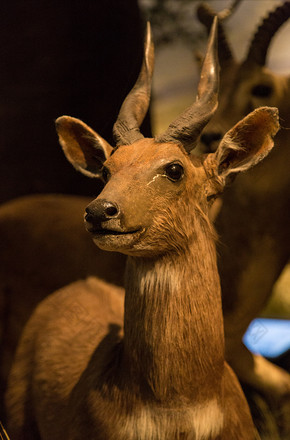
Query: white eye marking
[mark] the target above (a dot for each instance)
(155, 177)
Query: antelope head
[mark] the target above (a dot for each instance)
(249, 84)
(155, 189)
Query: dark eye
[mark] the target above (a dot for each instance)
(174, 171)
(105, 174)
(262, 91)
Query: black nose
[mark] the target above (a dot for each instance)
(100, 211)
(208, 139)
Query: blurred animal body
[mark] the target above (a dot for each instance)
(88, 367)
(44, 246)
(253, 222)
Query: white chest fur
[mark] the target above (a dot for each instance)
(191, 423)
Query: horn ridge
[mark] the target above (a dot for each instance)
(187, 127)
(134, 108)
(260, 43)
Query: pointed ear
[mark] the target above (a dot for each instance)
(247, 142)
(82, 146)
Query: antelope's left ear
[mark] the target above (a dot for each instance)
(82, 146)
(248, 142)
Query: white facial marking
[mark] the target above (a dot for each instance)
(155, 177)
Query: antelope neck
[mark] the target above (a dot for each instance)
(173, 329)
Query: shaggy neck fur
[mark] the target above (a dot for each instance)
(173, 340)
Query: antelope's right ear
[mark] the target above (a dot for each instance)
(82, 146)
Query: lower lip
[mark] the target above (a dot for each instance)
(106, 232)
(103, 232)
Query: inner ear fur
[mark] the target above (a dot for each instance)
(248, 142)
(82, 146)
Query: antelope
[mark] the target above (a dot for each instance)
(146, 362)
(253, 222)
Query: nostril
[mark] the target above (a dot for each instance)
(89, 215)
(89, 218)
(111, 210)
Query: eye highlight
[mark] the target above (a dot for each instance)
(174, 172)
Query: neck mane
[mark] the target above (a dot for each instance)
(173, 329)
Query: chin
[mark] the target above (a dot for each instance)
(125, 243)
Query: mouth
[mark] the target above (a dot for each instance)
(111, 232)
(116, 240)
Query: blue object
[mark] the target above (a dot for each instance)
(268, 337)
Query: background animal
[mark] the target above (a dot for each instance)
(253, 222)
(156, 381)
(44, 246)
